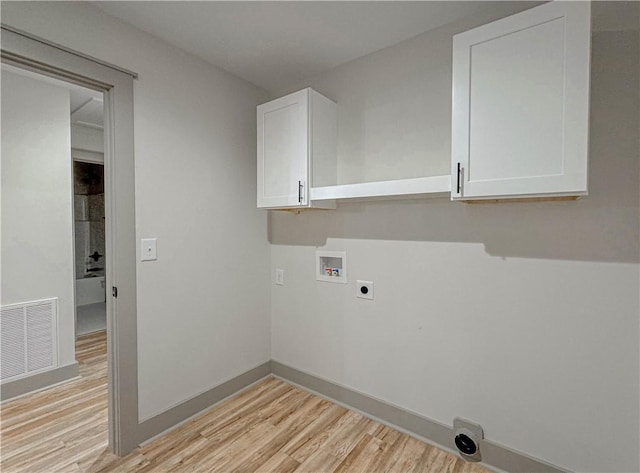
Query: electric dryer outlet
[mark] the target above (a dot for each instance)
(364, 289)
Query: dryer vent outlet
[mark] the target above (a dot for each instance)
(466, 437)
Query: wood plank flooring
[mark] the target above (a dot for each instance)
(272, 427)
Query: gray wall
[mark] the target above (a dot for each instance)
(522, 317)
(37, 225)
(203, 306)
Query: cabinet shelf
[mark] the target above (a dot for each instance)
(400, 187)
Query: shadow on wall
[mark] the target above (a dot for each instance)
(603, 226)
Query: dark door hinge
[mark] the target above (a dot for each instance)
(114, 291)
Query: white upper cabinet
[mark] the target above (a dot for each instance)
(296, 147)
(521, 105)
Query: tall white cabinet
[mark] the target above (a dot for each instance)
(521, 105)
(296, 149)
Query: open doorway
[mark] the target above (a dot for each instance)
(54, 315)
(87, 153)
(28, 54)
(89, 225)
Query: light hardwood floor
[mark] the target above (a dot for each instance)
(272, 427)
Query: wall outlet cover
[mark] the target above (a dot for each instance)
(467, 437)
(364, 289)
(148, 249)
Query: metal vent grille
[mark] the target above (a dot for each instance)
(28, 338)
(13, 348)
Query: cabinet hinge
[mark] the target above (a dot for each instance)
(114, 291)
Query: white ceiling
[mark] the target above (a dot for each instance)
(276, 44)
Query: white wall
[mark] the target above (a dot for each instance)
(203, 306)
(37, 221)
(394, 106)
(87, 139)
(522, 317)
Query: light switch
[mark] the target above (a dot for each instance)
(148, 249)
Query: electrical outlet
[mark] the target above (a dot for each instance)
(280, 277)
(364, 290)
(467, 437)
(148, 249)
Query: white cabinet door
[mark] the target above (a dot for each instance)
(283, 151)
(521, 105)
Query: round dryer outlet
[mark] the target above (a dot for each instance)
(466, 437)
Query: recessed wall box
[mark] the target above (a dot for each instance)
(331, 266)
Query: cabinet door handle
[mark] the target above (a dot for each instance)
(459, 172)
(300, 192)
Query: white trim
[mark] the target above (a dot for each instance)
(429, 186)
(87, 156)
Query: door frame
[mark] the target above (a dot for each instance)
(30, 52)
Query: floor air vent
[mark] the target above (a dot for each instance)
(28, 338)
